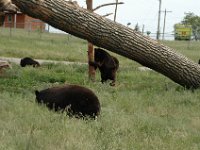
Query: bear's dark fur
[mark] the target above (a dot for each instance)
(107, 65)
(199, 61)
(76, 100)
(29, 61)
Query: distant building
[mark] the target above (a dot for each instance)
(20, 20)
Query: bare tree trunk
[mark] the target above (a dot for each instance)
(114, 37)
(91, 70)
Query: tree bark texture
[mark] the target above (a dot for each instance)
(114, 37)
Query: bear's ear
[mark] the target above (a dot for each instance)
(37, 92)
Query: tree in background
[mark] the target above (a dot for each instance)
(194, 21)
(137, 28)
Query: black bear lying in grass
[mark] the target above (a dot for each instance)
(75, 100)
(29, 61)
(107, 65)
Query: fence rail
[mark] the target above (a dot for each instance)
(30, 25)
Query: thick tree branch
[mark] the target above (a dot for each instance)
(114, 37)
(6, 5)
(108, 4)
(106, 15)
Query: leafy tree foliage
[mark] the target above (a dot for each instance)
(193, 20)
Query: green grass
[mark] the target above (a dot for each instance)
(189, 48)
(41, 45)
(145, 111)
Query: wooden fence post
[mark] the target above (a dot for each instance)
(91, 71)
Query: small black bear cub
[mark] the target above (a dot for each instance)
(107, 64)
(29, 61)
(76, 100)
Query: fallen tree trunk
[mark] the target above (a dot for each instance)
(114, 37)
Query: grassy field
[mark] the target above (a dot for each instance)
(145, 111)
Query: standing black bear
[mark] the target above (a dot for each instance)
(29, 61)
(107, 65)
(76, 100)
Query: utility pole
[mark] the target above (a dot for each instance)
(143, 29)
(163, 35)
(91, 69)
(158, 28)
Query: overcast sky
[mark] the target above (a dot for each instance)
(145, 12)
